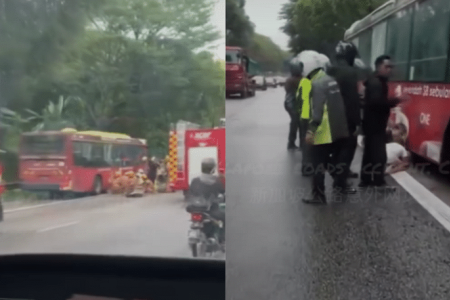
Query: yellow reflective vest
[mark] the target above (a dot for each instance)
(303, 96)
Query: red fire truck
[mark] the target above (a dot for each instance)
(189, 145)
(239, 72)
(402, 29)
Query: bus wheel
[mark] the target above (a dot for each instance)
(98, 186)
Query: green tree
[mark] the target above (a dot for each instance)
(269, 55)
(134, 65)
(239, 28)
(320, 24)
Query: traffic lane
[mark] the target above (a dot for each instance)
(432, 177)
(371, 246)
(234, 105)
(34, 217)
(155, 225)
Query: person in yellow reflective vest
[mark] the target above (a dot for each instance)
(327, 129)
(303, 95)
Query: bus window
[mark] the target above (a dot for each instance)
(118, 154)
(43, 145)
(365, 46)
(87, 154)
(107, 154)
(430, 41)
(398, 42)
(97, 158)
(378, 42)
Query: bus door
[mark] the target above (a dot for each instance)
(200, 144)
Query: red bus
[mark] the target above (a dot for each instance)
(79, 162)
(416, 34)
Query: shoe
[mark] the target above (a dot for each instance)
(353, 175)
(345, 191)
(363, 184)
(385, 186)
(317, 201)
(292, 147)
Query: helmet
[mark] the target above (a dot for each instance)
(208, 165)
(347, 51)
(325, 61)
(359, 63)
(295, 67)
(311, 61)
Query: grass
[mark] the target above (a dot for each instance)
(18, 194)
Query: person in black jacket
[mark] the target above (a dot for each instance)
(209, 186)
(291, 103)
(347, 76)
(152, 169)
(377, 107)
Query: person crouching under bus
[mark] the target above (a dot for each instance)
(327, 130)
(398, 158)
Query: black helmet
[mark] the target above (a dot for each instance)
(208, 165)
(347, 51)
(296, 67)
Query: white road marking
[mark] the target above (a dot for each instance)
(58, 226)
(39, 205)
(436, 207)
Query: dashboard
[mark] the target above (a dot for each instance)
(92, 277)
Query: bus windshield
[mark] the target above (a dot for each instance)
(42, 145)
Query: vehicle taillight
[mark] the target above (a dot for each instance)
(196, 217)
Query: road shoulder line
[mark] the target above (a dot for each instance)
(435, 206)
(36, 206)
(58, 226)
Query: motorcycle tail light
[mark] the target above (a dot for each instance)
(196, 217)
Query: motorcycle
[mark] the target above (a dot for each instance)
(206, 235)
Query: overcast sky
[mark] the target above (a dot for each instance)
(218, 20)
(265, 18)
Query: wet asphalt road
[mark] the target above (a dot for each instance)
(369, 246)
(155, 225)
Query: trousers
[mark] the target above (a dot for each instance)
(331, 158)
(374, 159)
(294, 126)
(306, 149)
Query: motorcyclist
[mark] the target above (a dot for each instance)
(291, 104)
(326, 132)
(209, 187)
(348, 76)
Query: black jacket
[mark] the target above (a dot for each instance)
(347, 78)
(290, 100)
(377, 105)
(206, 186)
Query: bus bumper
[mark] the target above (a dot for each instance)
(39, 187)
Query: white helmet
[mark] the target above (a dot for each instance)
(324, 60)
(359, 63)
(311, 61)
